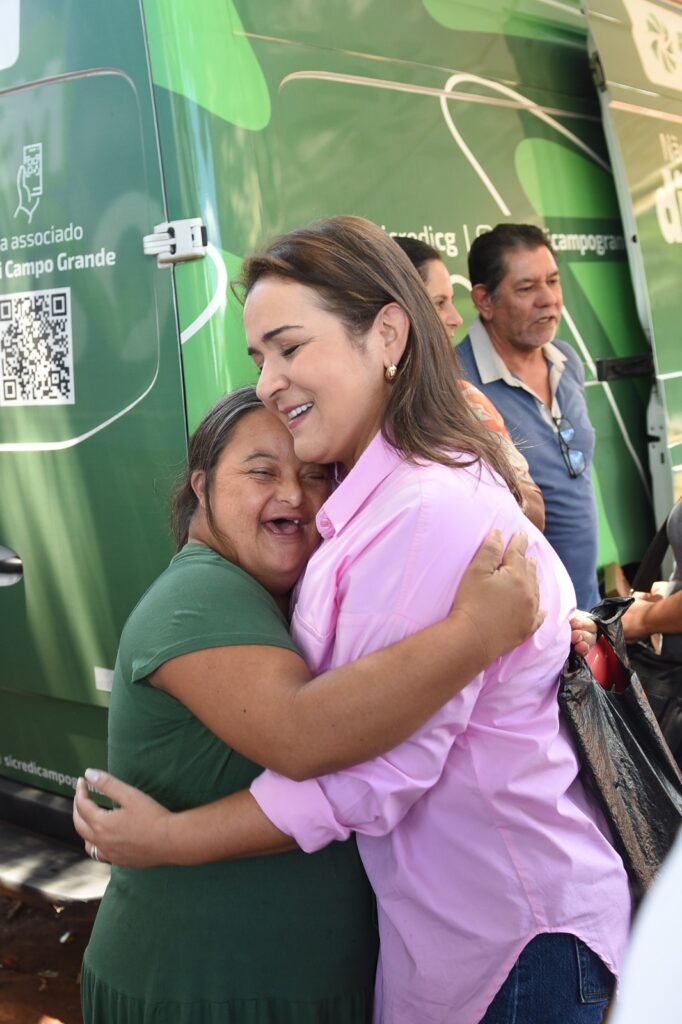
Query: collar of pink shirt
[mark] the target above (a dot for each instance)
(377, 462)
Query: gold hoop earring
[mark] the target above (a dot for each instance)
(391, 372)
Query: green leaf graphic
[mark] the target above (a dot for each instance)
(199, 50)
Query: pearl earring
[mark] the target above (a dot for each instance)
(390, 372)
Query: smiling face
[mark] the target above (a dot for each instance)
(439, 287)
(524, 311)
(327, 387)
(263, 502)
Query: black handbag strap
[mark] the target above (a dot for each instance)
(650, 567)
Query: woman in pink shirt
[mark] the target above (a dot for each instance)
(500, 896)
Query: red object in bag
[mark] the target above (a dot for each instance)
(605, 666)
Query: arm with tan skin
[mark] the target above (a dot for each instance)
(652, 613)
(254, 698)
(141, 833)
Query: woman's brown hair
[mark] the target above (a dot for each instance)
(357, 269)
(205, 448)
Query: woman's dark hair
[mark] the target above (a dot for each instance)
(357, 269)
(418, 253)
(205, 448)
(487, 255)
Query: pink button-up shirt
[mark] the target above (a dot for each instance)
(476, 833)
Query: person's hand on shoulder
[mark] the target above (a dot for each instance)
(500, 595)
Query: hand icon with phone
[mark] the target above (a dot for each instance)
(29, 180)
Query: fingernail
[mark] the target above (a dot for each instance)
(92, 775)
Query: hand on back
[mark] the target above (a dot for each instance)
(500, 595)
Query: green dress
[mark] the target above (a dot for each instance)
(285, 939)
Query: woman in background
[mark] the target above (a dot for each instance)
(436, 278)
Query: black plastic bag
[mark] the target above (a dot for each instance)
(624, 757)
(661, 680)
(660, 675)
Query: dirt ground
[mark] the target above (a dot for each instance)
(40, 959)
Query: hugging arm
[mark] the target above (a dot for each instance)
(371, 798)
(254, 699)
(142, 833)
(652, 613)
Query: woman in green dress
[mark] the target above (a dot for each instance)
(208, 687)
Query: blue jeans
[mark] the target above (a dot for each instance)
(556, 980)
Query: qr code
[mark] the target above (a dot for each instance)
(36, 355)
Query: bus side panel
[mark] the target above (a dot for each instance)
(92, 427)
(639, 47)
(441, 123)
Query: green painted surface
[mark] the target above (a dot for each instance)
(47, 742)
(361, 123)
(588, 190)
(84, 499)
(640, 50)
(214, 356)
(524, 18)
(199, 51)
(442, 121)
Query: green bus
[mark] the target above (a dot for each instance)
(148, 145)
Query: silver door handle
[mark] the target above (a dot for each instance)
(11, 567)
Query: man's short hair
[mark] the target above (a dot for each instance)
(487, 253)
